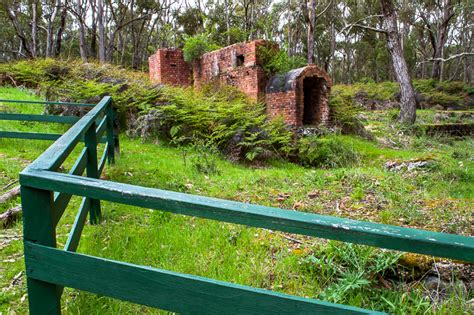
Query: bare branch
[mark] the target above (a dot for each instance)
(449, 58)
(10, 216)
(12, 193)
(379, 30)
(348, 27)
(324, 11)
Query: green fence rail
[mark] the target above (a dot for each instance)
(71, 119)
(46, 193)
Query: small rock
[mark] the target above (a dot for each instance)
(362, 117)
(434, 283)
(414, 165)
(313, 194)
(402, 166)
(438, 107)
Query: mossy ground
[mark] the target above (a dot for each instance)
(438, 197)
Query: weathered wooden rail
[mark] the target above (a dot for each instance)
(46, 193)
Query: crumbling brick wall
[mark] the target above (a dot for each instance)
(167, 66)
(237, 65)
(300, 96)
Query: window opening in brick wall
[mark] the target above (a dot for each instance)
(173, 65)
(240, 60)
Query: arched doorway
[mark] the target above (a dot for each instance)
(301, 96)
(313, 87)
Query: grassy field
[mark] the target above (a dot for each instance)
(437, 196)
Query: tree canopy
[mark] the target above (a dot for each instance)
(341, 36)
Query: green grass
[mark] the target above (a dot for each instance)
(343, 273)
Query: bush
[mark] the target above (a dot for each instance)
(424, 86)
(276, 61)
(345, 116)
(58, 80)
(452, 87)
(202, 157)
(225, 119)
(196, 46)
(441, 98)
(327, 152)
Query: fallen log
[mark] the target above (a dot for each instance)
(10, 216)
(12, 193)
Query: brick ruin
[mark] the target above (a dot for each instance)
(167, 66)
(299, 96)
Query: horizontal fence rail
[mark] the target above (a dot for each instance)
(38, 118)
(47, 192)
(48, 103)
(347, 230)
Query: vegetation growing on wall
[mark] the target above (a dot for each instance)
(196, 46)
(276, 61)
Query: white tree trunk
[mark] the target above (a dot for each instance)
(407, 92)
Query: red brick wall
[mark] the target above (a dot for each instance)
(167, 66)
(223, 66)
(288, 100)
(239, 65)
(283, 104)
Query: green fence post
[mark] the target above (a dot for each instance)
(38, 227)
(112, 141)
(116, 130)
(90, 139)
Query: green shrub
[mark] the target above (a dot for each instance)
(196, 46)
(59, 80)
(424, 86)
(202, 157)
(328, 152)
(469, 90)
(276, 61)
(226, 119)
(366, 80)
(345, 116)
(350, 268)
(380, 91)
(444, 99)
(452, 87)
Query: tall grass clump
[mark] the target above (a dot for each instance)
(327, 152)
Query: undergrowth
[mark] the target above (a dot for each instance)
(352, 183)
(222, 117)
(429, 92)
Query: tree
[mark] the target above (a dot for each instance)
(436, 37)
(310, 19)
(407, 92)
(437, 18)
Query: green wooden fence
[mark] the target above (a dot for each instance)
(46, 193)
